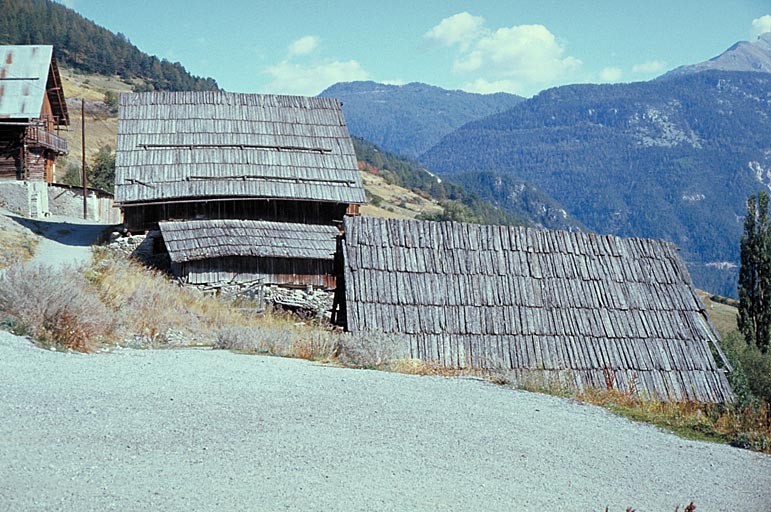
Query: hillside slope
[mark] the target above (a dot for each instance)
(672, 159)
(409, 119)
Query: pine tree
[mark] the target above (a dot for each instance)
(754, 318)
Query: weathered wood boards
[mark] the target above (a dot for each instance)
(581, 309)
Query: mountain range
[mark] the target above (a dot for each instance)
(673, 158)
(409, 119)
(743, 56)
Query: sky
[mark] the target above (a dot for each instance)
(517, 46)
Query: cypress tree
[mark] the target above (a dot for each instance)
(754, 318)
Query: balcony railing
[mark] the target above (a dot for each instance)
(37, 136)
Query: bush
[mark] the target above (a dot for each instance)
(757, 367)
(751, 378)
(57, 306)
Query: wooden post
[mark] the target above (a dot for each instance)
(83, 156)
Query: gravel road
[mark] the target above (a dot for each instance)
(62, 240)
(199, 429)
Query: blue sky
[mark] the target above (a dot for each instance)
(518, 46)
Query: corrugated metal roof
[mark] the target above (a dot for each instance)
(584, 307)
(23, 80)
(204, 239)
(205, 144)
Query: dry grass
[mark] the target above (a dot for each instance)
(743, 426)
(58, 307)
(722, 315)
(278, 336)
(150, 310)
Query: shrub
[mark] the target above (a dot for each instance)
(57, 306)
(757, 366)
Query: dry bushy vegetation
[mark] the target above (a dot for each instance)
(112, 301)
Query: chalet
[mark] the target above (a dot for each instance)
(570, 308)
(32, 106)
(230, 179)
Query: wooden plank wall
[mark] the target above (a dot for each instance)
(10, 144)
(145, 217)
(279, 271)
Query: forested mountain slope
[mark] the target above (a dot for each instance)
(520, 204)
(85, 46)
(672, 159)
(409, 119)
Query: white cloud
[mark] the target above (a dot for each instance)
(304, 45)
(308, 80)
(461, 28)
(760, 26)
(651, 66)
(482, 86)
(611, 74)
(528, 54)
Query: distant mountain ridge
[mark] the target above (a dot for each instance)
(409, 119)
(672, 159)
(743, 56)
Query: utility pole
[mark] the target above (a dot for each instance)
(83, 156)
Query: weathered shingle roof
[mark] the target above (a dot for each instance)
(579, 307)
(204, 144)
(203, 239)
(27, 74)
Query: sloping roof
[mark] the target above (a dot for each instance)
(585, 309)
(218, 144)
(27, 74)
(203, 239)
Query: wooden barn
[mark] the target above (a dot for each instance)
(186, 157)
(32, 107)
(557, 307)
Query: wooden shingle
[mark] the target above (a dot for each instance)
(575, 307)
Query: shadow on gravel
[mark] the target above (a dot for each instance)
(65, 233)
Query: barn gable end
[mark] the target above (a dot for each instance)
(582, 309)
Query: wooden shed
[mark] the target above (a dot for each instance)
(578, 309)
(213, 251)
(219, 155)
(32, 107)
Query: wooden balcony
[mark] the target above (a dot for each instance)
(39, 137)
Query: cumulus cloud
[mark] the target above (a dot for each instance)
(525, 53)
(461, 28)
(611, 74)
(651, 66)
(304, 45)
(308, 80)
(760, 26)
(520, 58)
